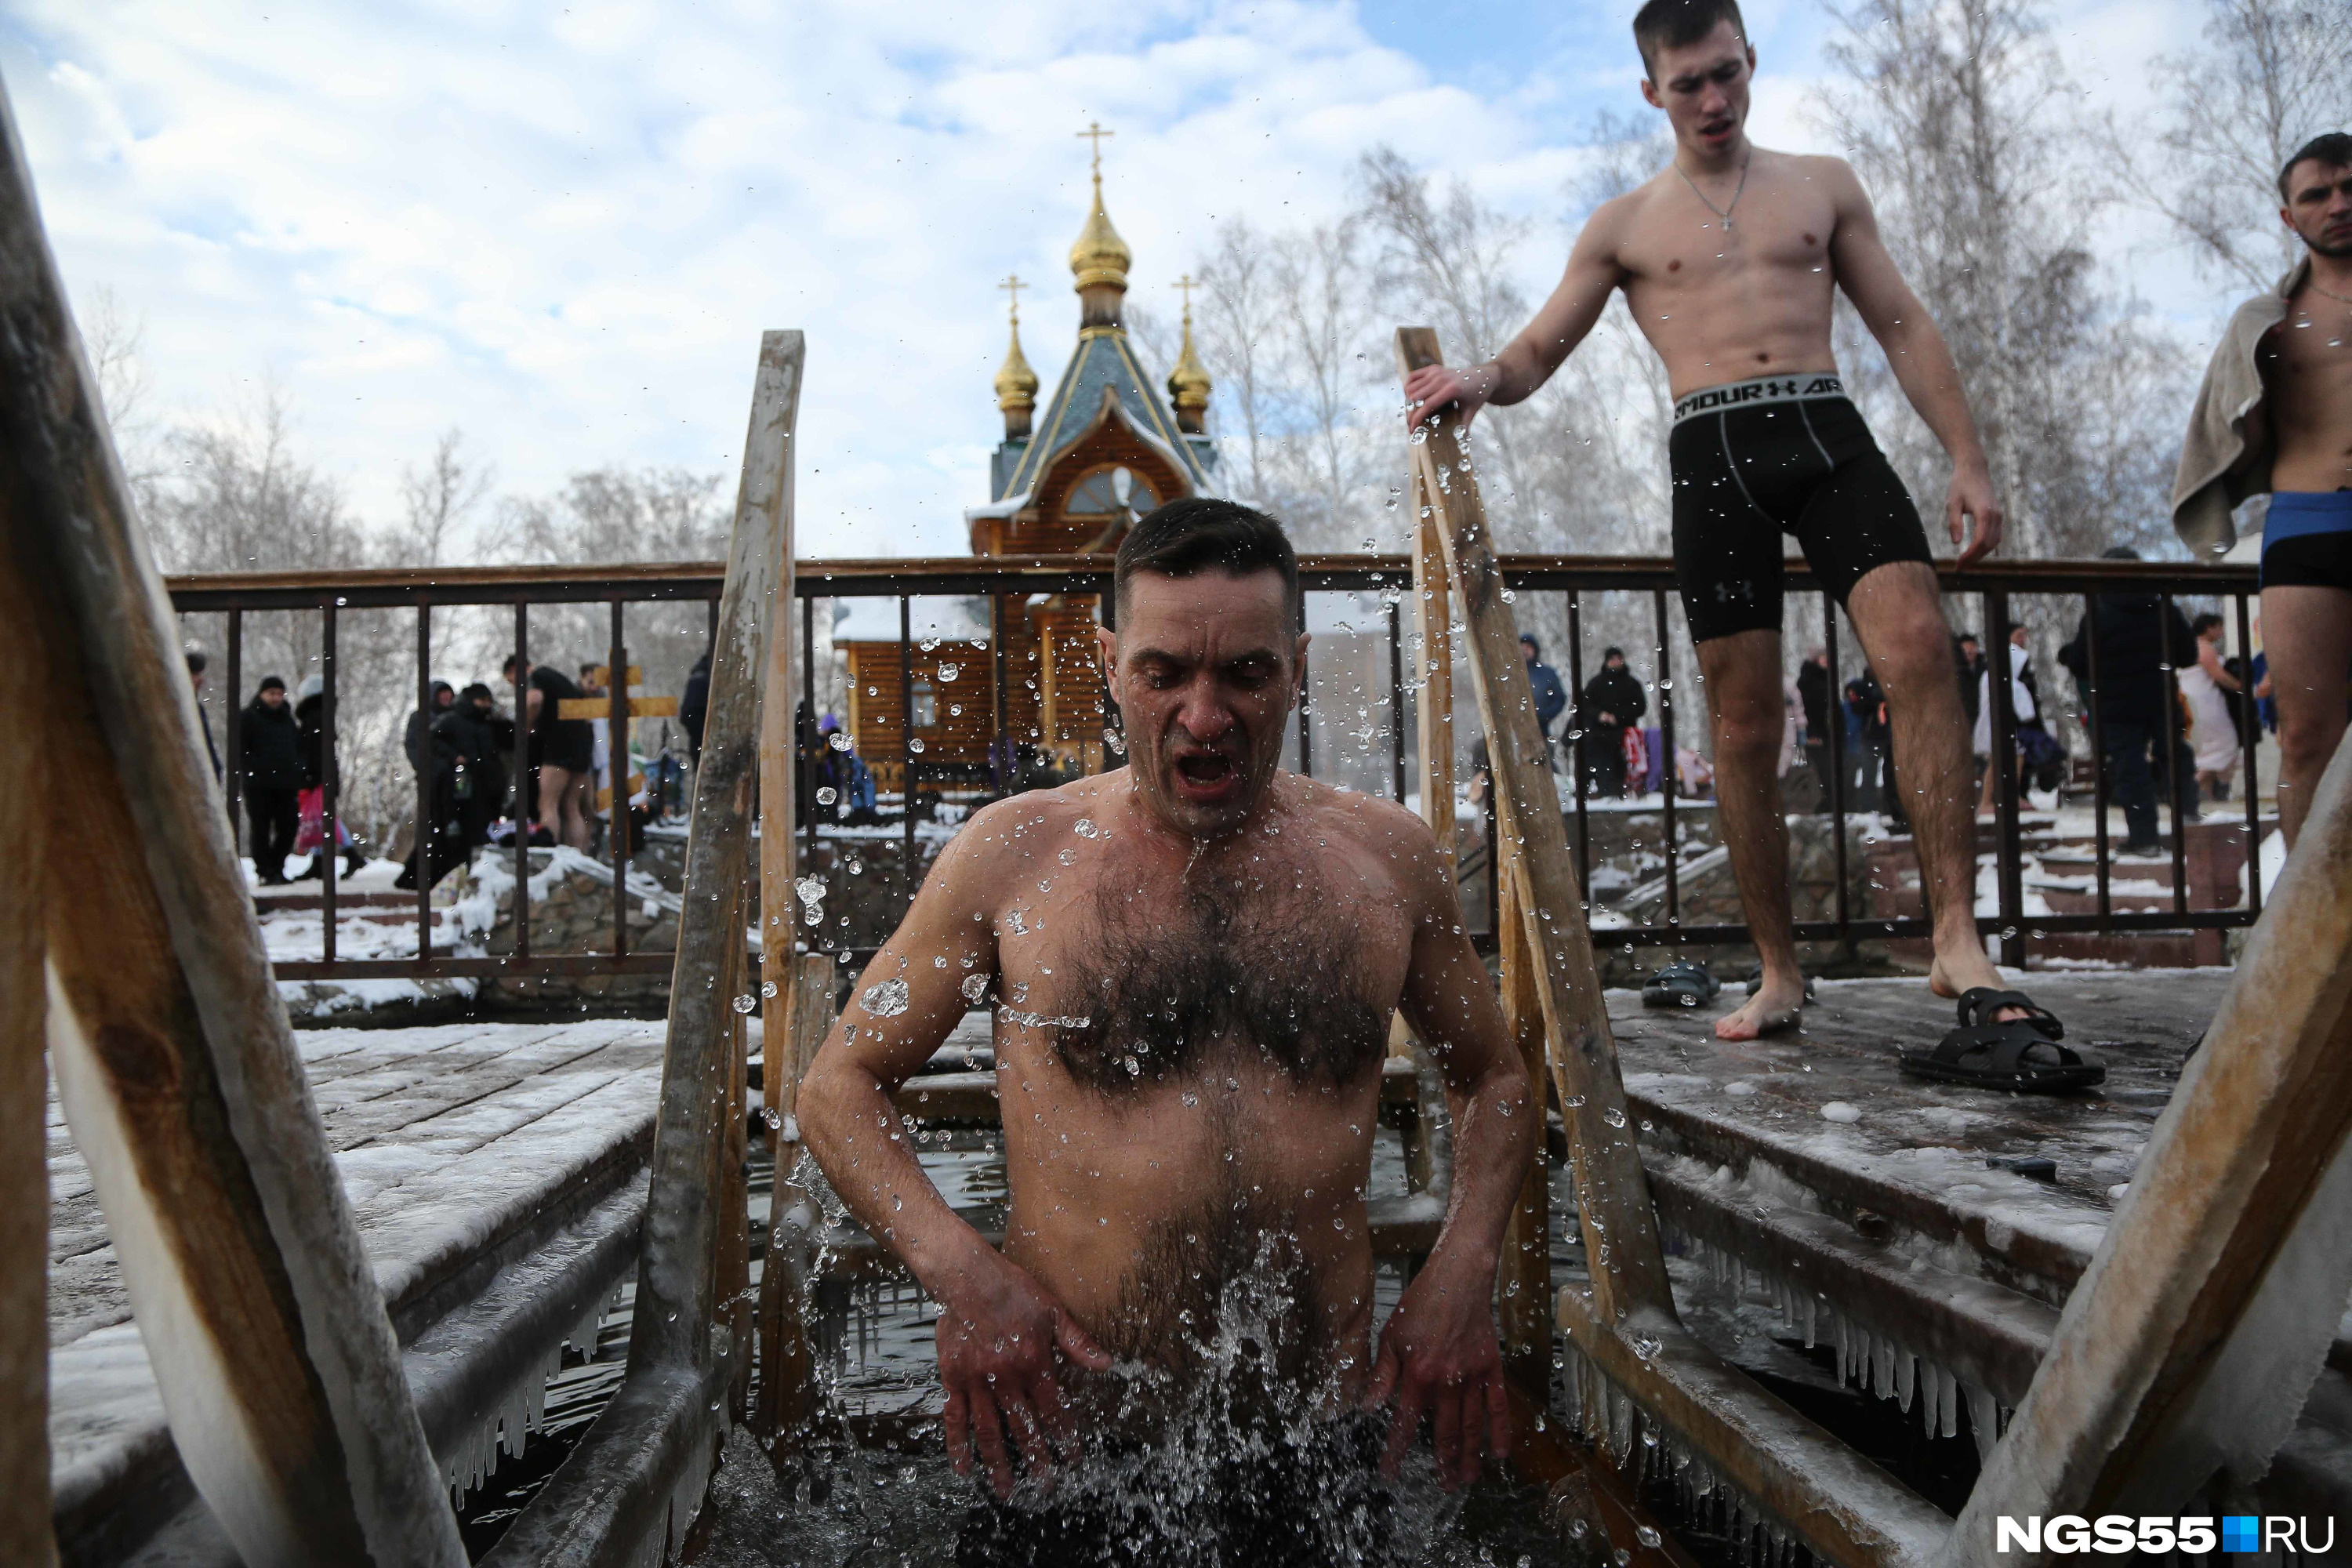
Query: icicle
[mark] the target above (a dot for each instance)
(1812, 1313)
(1983, 1420)
(1906, 1379)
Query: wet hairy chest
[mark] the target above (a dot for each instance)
(1260, 963)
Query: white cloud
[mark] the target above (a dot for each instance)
(564, 234)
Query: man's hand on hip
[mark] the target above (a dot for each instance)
(1003, 1340)
(1439, 1357)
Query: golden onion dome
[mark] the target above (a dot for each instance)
(1188, 383)
(1099, 259)
(1016, 383)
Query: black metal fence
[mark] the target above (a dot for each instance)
(1563, 590)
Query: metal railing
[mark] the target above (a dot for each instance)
(1576, 579)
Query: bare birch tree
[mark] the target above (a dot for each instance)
(2271, 75)
(1960, 118)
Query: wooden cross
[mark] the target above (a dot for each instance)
(601, 707)
(1013, 286)
(1095, 133)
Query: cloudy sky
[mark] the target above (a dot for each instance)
(561, 229)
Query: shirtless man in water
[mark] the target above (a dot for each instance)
(1729, 259)
(1193, 960)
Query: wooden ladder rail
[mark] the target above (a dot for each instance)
(633, 1488)
(2188, 1347)
(1844, 1508)
(175, 1065)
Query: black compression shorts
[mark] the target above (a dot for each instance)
(1785, 454)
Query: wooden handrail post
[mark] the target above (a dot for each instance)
(635, 1483)
(174, 1063)
(787, 1390)
(1523, 1281)
(27, 1534)
(1613, 1195)
(2189, 1343)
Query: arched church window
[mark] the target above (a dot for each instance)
(1097, 495)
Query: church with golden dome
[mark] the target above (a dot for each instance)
(1107, 447)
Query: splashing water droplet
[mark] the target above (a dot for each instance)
(914, 744)
(767, 988)
(811, 889)
(838, 741)
(1646, 1535)
(1614, 1117)
(746, 1002)
(950, 671)
(974, 987)
(886, 999)
(1087, 828)
(826, 794)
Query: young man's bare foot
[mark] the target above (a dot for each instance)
(1776, 1004)
(1951, 981)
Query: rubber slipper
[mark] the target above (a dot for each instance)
(2017, 1054)
(1682, 983)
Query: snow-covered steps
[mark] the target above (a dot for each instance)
(497, 1172)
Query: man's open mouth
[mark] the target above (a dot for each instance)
(1206, 776)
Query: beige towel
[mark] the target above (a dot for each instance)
(2219, 466)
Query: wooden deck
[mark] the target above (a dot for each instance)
(1828, 1105)
(497, 1174)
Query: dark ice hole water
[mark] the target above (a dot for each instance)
(899, 1504)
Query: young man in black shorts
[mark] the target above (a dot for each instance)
(2276, 414)
(1730, 259)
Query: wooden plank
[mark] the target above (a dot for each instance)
(1843, 1507)
(2188, 1347)
(787, 1389)
(638, 1480)
(27, 1535)
(1613, 1196)
(1523, 1274)
(172, 1051)
(592, 708)
(602, 676)
(1433, 601)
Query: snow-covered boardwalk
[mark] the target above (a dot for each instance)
(498, 1172)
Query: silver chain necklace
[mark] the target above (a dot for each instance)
(1737, 191)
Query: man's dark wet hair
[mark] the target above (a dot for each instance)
(1203, 532)
(2332, 150)
(2203, 624)
(1671, 24)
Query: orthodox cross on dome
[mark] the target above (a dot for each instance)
(1013, 286)
(1095, 133)
(1187, 283)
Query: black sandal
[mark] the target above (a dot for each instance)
(2020, 1054)
(1682, 983)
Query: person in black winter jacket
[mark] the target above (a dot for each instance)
(432, 758)
(476, 740)
(1612, 702)
(420, 723)
(271, 747)
(2132, 700)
